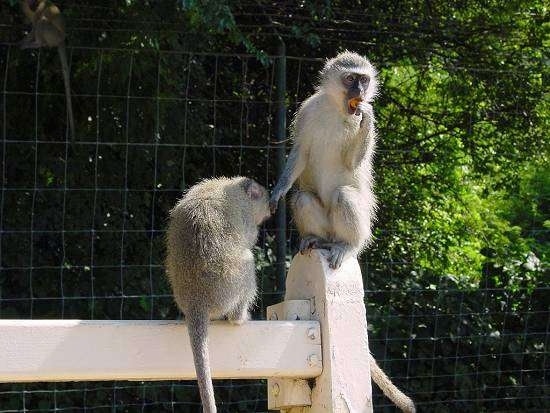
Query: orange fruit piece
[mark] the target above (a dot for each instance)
(353, 103)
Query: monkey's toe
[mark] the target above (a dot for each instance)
(308, 243)
(238, 316)
(236, 322)
(335, 255)
(335, 260)
(273, 205)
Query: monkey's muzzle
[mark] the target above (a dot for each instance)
(353, 106)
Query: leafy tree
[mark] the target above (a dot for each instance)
(166, 93)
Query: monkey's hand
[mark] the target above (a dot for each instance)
(355, 151)
(274, 200)
(367, 112)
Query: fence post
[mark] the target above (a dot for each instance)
(337, 301)
(280, 217)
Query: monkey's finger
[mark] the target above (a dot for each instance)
(273, 203)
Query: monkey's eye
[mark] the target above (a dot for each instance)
(364, 79)
(349, 78)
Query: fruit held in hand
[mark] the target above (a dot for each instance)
(353, 106)
(353, 103)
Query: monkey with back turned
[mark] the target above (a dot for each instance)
(331, 160)
(209, 262)
(48, 30)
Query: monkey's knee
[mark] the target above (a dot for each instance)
(345, 206)
(303, 201)
(349, 223)
(309, 214)
(238, 315)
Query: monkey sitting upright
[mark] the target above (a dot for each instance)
(209, 261)
(48, 30)
(331, 158)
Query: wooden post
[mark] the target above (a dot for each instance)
(337, 302)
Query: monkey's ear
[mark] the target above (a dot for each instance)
(253, 189)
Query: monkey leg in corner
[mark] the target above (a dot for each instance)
(349, 227)
(240, 313)
(311, 220)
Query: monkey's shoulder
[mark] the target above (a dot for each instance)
(313, 106)
(317, 114)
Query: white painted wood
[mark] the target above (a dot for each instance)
(67, 350)
(288, 393)
(290, 310)
(284, 393)
(338, 298)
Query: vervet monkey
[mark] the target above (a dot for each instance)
(209, 262)
(331, 159)
(48, 30)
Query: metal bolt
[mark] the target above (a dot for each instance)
(312, 333)
(313, 359)
(275, 389)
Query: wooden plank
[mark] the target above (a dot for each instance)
(69, 350)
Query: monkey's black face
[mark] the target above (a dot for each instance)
(355, 86)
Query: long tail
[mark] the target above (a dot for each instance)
(67, 81)
(400, 399)
(197, 324)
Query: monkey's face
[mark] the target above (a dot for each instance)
(261, 207)
(349, 79)
(259, 198)
(355, 86)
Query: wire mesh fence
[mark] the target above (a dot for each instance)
(82, 222)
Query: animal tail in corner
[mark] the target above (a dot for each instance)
(197, 325)
(401, 400)
(67, 83)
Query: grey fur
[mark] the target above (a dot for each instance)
(209, 262)
(294, 162)
(331, 160)
(48, 30)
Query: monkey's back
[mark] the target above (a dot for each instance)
(208, 261)
(51, 25)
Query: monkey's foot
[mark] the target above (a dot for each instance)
(238, 316)
(335, 253)
(237, 322)
(310, 242)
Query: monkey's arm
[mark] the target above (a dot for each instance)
(29, 14)
(358, 147)
(295, 165)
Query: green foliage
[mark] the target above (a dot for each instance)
(167, 93)
(215, 17)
